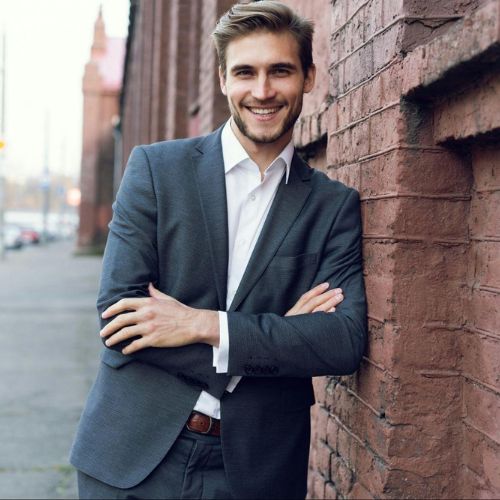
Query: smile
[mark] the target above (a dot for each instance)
(263, 111)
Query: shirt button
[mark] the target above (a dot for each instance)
(252, 197)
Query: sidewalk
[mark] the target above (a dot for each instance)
(48, 359)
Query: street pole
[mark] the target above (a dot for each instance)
(2, 146)
(46, 184)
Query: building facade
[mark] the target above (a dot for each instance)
(101, 92)
(406, 110)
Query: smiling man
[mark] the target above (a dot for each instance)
(232, 275)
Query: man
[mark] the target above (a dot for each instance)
(232, 275)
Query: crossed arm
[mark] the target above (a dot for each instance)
(161, 321)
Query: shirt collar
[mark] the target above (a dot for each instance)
(234, 153)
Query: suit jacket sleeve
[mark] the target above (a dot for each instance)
(131, 263)
(310, 344)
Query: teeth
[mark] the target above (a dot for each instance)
(261, 111)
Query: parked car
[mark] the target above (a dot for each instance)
(12, 237)
(30, 236)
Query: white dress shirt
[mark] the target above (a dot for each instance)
(249, 197)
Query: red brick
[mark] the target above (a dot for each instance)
(343, 106)
(372, 95)
(481, 405)
(359, 492)
(360, 139)
(332, 430)
(380, 175)
(432, 218)
(330, 491)
(385, 130)
(481, 357)
(324, 453)
(379, 293)
(355, 29)
(356, 104)
(484, 307)
(485, 263)
(379, 217)
(317, 488)
(369, 469)
(350, 175)
(341, 475)
(321, 422)
(484, 219)
(339, 14)
(386, 46)
(434, 172)
(486, 166)
(464, 115)
(358, 67)
(391, 83)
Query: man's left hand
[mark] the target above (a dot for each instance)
(159, 321)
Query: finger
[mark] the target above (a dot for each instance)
(317, 290)
(122, 306)
(327, 305)
(136, 345)
(154, 292)
(120, 322)
(125, 334)
(320, 299)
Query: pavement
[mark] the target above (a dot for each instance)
(49, 353)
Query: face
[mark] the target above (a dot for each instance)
(264, 85)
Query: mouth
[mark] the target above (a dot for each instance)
(264, 113)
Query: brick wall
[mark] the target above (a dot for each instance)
(406, 110)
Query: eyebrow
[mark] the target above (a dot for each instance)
(282, 65)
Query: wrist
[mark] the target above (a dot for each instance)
(207, 327)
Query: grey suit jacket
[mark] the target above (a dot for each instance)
(170, 227)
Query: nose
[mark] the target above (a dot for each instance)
(263, 89)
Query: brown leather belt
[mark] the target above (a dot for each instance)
(203, 424)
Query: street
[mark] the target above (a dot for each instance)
(48, 359)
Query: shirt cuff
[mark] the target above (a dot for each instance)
(221, 357)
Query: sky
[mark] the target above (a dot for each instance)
(48, 43)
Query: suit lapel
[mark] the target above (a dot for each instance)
(287, 204)
(208, 164)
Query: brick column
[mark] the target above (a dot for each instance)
(213, 105)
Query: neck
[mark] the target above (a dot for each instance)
(262, 153)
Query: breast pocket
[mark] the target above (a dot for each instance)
(294, 262)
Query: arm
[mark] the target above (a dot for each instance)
(131, 263)
(310, 344)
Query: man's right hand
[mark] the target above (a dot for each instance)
(318, 299)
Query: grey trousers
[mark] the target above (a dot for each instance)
(193, 468)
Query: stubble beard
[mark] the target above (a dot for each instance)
(288, 124)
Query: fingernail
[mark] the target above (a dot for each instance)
(325, 284)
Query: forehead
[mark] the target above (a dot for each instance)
(262, 48)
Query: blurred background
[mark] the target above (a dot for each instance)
(55, 55)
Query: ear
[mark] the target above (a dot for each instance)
(222, 81)
(310, 79)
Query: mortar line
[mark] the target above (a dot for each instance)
(480, 331)
(416, 239)
(367, 117)
(451, 196)
(468, 423)
(489, 387)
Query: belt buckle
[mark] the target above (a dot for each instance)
(209, 427)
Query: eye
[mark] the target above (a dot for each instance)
(281, 71)
(243, 73)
